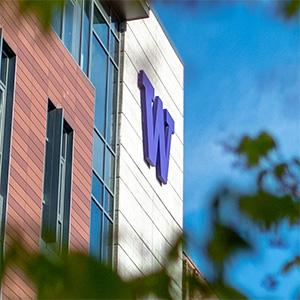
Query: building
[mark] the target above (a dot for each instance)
(84, 145)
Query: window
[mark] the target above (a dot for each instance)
(95, 35)
(57, 181)
(101, 221)
(7, 77)
(85, 36)
(66, 23)
(104, 70)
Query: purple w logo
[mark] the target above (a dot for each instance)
(158, 127)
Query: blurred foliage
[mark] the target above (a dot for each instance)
(267, 210)
(295, 262)
(43, 9)
(255, 149)
(290, 8)
(275, 200)
(79, 276)
(224, 243)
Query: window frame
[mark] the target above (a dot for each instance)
(57, 210)
(8, 94)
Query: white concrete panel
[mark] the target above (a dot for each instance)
(149, 214)
(133, 63)
(135, 214)
(132, 112)
(126, 267)
(134, 146)
(151, 205)
(158, 62)
(167, 50)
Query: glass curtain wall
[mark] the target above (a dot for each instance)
(97, 52)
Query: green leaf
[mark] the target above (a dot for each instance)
(254, 149)
(280, 169)
(290, 8)
(75, 276)
(174, 252)
(42, 9)
(157, 283)
(225, 242)
(197, 286)
(227, 292)
(261, 177)
(267, 209)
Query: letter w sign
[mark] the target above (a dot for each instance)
(158, 127)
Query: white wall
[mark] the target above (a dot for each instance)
(149, 215)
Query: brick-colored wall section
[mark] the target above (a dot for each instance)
(44, 69)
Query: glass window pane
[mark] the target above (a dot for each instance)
(108, 203)
(61, 189)
(99, 77)
(68, 25)
(97, 189)
(112, 105)
(104, 7)
(59, 237)
(107, 241)
(1, 106)
(114, 48)
(85, 36)
(115, 23)
(78, 7)
(1, 121)
(64, 144)
(95, 236)
(57, 20)
(100, 26)
(98, 152)
(109, 169)
(4, 66)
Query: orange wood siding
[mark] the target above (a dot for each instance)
(44, 69)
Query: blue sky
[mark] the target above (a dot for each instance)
(242, 75)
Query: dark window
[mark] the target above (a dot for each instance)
(57, 181)
(7, 71)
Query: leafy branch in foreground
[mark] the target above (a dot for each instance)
(45, 9)
(79, 276)
(274, 201)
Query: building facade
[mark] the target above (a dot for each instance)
(194, 284)
(86, 163)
